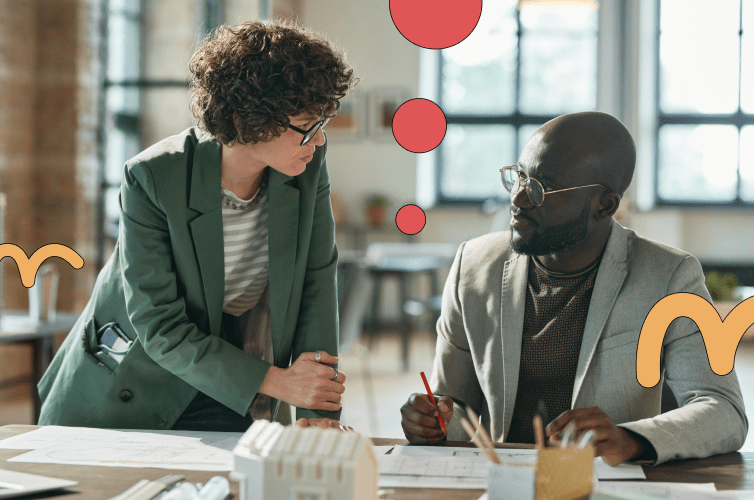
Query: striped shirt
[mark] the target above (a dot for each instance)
(246, 256)
(245, 237)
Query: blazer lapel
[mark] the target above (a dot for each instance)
(610, 277)
(207, 228)
(282, 245)
(513, 300)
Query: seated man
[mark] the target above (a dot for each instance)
(552, 311)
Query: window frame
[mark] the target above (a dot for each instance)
(517, 119)
(130, 123)
(739, 119)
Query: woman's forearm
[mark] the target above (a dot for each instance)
(272, 383)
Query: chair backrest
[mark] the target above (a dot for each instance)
(354, 290)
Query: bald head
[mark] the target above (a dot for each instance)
(595, 147)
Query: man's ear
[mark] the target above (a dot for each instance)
(608, 205)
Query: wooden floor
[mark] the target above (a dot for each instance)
(377, 386)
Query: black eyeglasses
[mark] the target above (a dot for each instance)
(308, 134)
(513, 179)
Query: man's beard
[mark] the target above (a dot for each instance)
(554, 239)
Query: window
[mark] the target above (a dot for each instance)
(120, 120)
(705, 102)
(516, 71)
(145, 87)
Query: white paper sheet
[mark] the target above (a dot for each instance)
(726, 494)
(43, 437)
(187, 450)
(460, 483)
(603, 471)
(668, 491)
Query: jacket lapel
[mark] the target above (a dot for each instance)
(610, 277)
(513, 299)
(282, 245)
(207, 228)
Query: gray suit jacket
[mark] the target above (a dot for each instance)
(479, 345)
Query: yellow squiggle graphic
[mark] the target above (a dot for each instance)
(28, 267)
(721, 338)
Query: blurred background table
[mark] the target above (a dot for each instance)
(19, 328)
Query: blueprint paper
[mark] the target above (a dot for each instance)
(666, 491)
(186, 450)
(604, 471)
(457, 467)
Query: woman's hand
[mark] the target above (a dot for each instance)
(325, 423)
(306, 383)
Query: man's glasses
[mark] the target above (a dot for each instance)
(308, 134)
(513, 179)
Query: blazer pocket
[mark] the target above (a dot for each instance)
(618, 340)
(90, 343)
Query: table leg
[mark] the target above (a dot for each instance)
(373, 317)
(42, 352)
(405, 328)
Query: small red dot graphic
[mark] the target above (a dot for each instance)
(410, 219)
(435, 24)
(419, 125)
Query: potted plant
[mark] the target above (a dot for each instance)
(376, 210)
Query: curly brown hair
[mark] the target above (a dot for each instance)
(249, 79)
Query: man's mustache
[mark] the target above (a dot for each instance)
(521, 215)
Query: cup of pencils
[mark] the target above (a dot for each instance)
(557, 473)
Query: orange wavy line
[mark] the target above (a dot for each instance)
(721, 338)
(28, 267)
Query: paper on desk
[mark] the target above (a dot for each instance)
(603, 471)
(727, 494)
(668, 491)
(186, 450)
(457, 482)
(43, 437)
(50, 435)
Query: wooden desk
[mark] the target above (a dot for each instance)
(18, 327)
(729, 471)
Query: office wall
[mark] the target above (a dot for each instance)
(381, 57)
(48, 130)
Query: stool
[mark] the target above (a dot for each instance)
(404, 261)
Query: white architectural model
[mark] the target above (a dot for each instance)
(273, 462)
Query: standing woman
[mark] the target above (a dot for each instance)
(219, 299)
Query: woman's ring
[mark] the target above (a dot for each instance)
(335, 375)
(318, 356)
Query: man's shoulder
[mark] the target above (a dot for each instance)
(642, 250)
(483, 258)
(488, 247)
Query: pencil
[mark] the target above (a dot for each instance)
(432, 398)
(539, 433)
(489, 453)
(480, 428)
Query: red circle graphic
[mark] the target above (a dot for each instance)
(410, 219)
(435, 24)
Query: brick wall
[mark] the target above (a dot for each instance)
(48, 165)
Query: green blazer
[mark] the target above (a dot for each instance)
(164, 286)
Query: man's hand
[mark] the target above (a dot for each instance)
(419, 418)
(612, 443)
(325, 423)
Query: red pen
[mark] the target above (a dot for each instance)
(432, 398)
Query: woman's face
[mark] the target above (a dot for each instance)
(285, 153)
